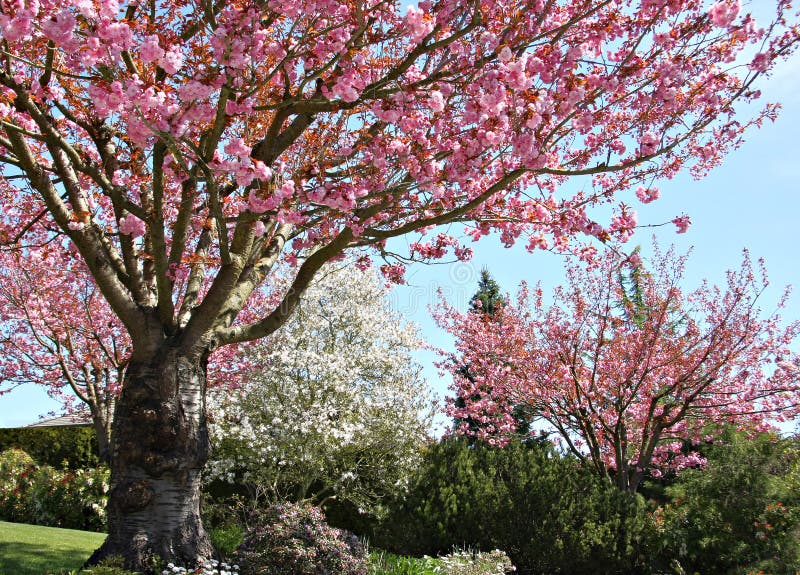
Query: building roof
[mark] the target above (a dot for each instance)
(77, 419)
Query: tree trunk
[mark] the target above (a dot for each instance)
(103, 435)
(159, 445)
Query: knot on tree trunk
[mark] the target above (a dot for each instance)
(133, 496)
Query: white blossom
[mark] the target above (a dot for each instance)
(337, 399)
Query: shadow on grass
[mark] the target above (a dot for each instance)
(31, 559)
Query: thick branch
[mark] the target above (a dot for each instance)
(280, 314)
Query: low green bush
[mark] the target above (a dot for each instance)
(542, 509)
(14, 461)
(456, 563)
(226, 539)
(288, 539)
(739, 515)
(43, 495)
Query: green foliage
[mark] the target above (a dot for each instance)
(289, 539)
(541, 508)
(457, 563)
(109, 566)
(13, 463)
(741, 514)
(226, 538)
(34, 550)
(77, 446)
(43, 495)
(488, 297)
(632, 289)
(385, 563)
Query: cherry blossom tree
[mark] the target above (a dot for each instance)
(334, 405)
(184, 149)
(628, 374)
(57, 330)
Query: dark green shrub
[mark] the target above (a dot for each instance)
(43, 495)
(547, 514)
(290, 539)
(226, 520)
(226, 539)
(75, 445)
(108, 566)
(739, 515)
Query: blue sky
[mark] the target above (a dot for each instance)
(750, 201)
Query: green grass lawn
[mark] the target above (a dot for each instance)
(35, 550)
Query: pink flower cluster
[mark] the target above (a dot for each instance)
(723, 13)
(647, 195)
(132, 226)
(682, 222)
(418, 24)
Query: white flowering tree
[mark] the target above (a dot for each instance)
(333, 404)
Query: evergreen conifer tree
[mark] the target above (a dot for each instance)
(488, 298)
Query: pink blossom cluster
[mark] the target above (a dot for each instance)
(170, 60)
(623, 224)
(682, 222)
(724, 13)
(647, 195)
(132, 226)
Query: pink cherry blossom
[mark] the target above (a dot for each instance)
(150, 51)
(761, 62)
(60, 27)
(418, 24)
(724, 13)
(132, 226)
(259, 205)
(172, 60)
(237, 147)
(648, 143)
(647, 195)
(682, 222)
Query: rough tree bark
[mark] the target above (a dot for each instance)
(103, 440)
(159, 446)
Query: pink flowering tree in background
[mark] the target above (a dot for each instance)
(57, 330)
(184, 150)
(625, 367)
